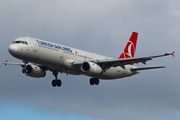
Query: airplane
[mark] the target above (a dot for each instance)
(39, 56)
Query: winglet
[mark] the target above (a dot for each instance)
(173, 53)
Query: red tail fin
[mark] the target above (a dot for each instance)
(130, 48)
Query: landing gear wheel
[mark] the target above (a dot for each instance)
(23, 70)
(54, 82)
(91, 81)
(96, 81)
(58, 83)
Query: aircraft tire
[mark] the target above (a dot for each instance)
(54, 83)
(23, 70)
(58, 83)
(91, 81)
(96, 81)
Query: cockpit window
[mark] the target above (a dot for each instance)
(17, 42)
(26, 43)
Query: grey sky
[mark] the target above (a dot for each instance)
(101, 26)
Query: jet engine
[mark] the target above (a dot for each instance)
(91, 68)
(34, 71)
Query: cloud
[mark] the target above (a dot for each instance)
(103, 27)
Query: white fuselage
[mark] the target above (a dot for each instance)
(61, 58)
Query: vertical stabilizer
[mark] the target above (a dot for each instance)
(130, 48)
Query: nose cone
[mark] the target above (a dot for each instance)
(13, 49)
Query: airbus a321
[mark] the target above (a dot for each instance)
(39, 56)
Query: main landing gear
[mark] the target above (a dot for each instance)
(94, 81)
(56, 82)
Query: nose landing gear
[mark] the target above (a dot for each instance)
(24, 70)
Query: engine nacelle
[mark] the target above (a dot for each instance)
(91, 68)
(35, 71)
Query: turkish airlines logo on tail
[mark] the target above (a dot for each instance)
(129, 50)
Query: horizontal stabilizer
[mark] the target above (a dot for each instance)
(12, 63)
(147, 68)
(21, 64)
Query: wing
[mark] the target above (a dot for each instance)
(106, 64)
